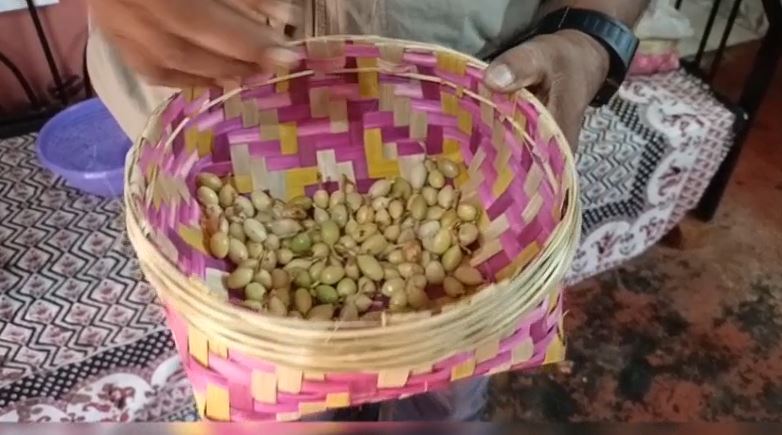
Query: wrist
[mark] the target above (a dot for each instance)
(596, 61)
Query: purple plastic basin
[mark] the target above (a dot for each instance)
(85, 146)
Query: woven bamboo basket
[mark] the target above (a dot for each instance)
(367, 108)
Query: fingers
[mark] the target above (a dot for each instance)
(156, 72)
(522, 66)
(264, 10)
(221, 28)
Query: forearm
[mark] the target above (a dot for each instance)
(628, 11)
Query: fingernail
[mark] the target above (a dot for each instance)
(283, 56)
(500, 76)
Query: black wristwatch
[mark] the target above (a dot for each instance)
(618, 40)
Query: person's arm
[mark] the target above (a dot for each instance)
(565, 69)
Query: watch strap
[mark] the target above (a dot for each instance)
(618, 40)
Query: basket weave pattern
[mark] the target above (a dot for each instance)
(365, 108)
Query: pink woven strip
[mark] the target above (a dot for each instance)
(295, 113)
(230, 370)
(173, 112)
(265, 148)
(240, 397)
(273, 101)
(412, 90)
(378, 119)
(314, 127)
(434, 376)
(278, 163)
(194, 106)
(409, 148)
(251, 362)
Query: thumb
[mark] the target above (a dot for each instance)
(519, 67)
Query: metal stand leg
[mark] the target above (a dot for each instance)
(61, 91)
(763, 70)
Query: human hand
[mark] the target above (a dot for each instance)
(564, 70)
(182, 43)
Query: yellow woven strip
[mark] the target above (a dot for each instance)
(451, 63)
(523, 352)
(521, 120)
(205, 143)
(192, 136)
(187, 93)
(392, 378)
(306, 408)
(200, 401)
(198, 346)
(387, 169)
(373, 145)
(451, 148)
(462, 178)
(194, 237)
(556, 351)
(263, 387)
(463, 370)
(487, 351)
(504, 178)
(369, 84)
(243, 183)
(377, 165)
(465, 121)
(289, 142)
(522, 260)
(553, 301)
(337, 400)
(218, 405)
(450, 105)
(218, 348)
(368, 81)
(285, 85)
(297, 178)
(289, 380)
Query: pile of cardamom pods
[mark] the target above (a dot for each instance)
(402, 246)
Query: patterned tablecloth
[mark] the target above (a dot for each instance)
(82, 337)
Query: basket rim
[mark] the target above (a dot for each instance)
(556, 254)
